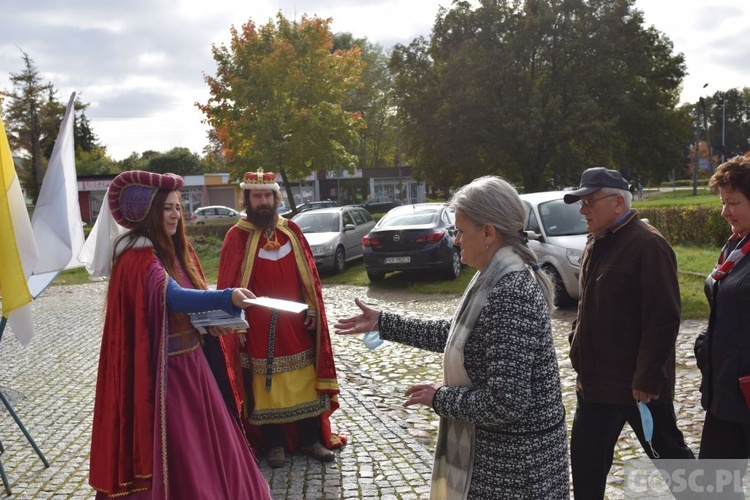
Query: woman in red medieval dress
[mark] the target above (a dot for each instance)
(161, 428)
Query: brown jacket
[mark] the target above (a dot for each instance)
(628, 315)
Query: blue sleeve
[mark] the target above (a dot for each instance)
(188, 300)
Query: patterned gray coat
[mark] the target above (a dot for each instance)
(516, 399)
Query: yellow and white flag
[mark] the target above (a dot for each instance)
(18, 250)
(56, 227)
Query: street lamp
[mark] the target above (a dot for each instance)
(697, 150)
(708, 136)
(697, 143)
(723, 122)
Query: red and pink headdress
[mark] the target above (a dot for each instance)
(131, 193)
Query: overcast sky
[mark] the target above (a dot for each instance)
(140, 63)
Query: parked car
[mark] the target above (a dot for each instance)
(335, 234)
(213, 214)
(379, 205)
(419, 236)
(309, 205)
(557, 233)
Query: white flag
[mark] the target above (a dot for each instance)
(56, 222)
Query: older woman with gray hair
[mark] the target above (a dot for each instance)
(502, 421)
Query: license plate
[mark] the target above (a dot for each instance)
(397, 260)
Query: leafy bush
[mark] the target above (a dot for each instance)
(689, 225)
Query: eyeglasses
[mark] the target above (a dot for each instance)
(590, 203)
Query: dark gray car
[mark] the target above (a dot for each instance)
(412, 237)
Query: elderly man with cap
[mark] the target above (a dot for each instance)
(283, 374)
(622, 345)
(160, 427)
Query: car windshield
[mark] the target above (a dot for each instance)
(409, 217)
(318, 223)
(561, 219)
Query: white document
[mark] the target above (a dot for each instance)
(281, 305)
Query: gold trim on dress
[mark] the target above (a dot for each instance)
(291, 414)
(280, 363)
(181, 343)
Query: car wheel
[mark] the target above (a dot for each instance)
(455, 268)
(375, 275)
(339, 261)
(562, 299)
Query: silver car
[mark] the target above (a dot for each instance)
(216, 213)
(335, 234)
(557, 233)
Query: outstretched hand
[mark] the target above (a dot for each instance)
(364, 322)
(240, 294)
(421, 394)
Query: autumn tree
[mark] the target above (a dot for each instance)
(278, 99)
(537, 91)
(213, 156)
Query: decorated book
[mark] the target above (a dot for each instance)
(202, 320)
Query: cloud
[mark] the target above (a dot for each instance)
(140, 64)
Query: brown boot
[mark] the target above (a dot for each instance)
(276, 457)
(318, 452)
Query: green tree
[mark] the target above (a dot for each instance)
(135, 161)
(729, 112)
(373, 101)
(278, 99)
(33, 115)
(91, 157)
(85, 138)
(180, 161)
(537, 91)
(95, 162)
(26, 110)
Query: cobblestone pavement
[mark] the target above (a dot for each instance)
(50, 383)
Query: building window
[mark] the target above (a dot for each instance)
(192, 199)
(402, 189)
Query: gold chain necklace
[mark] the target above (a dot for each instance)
(270, 235)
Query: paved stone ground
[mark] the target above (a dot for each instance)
(50, 383)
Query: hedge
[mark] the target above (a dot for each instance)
(685, 183)
(680, 225)
(217, 230)
(689, 225)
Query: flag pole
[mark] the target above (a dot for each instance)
(8, 407)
